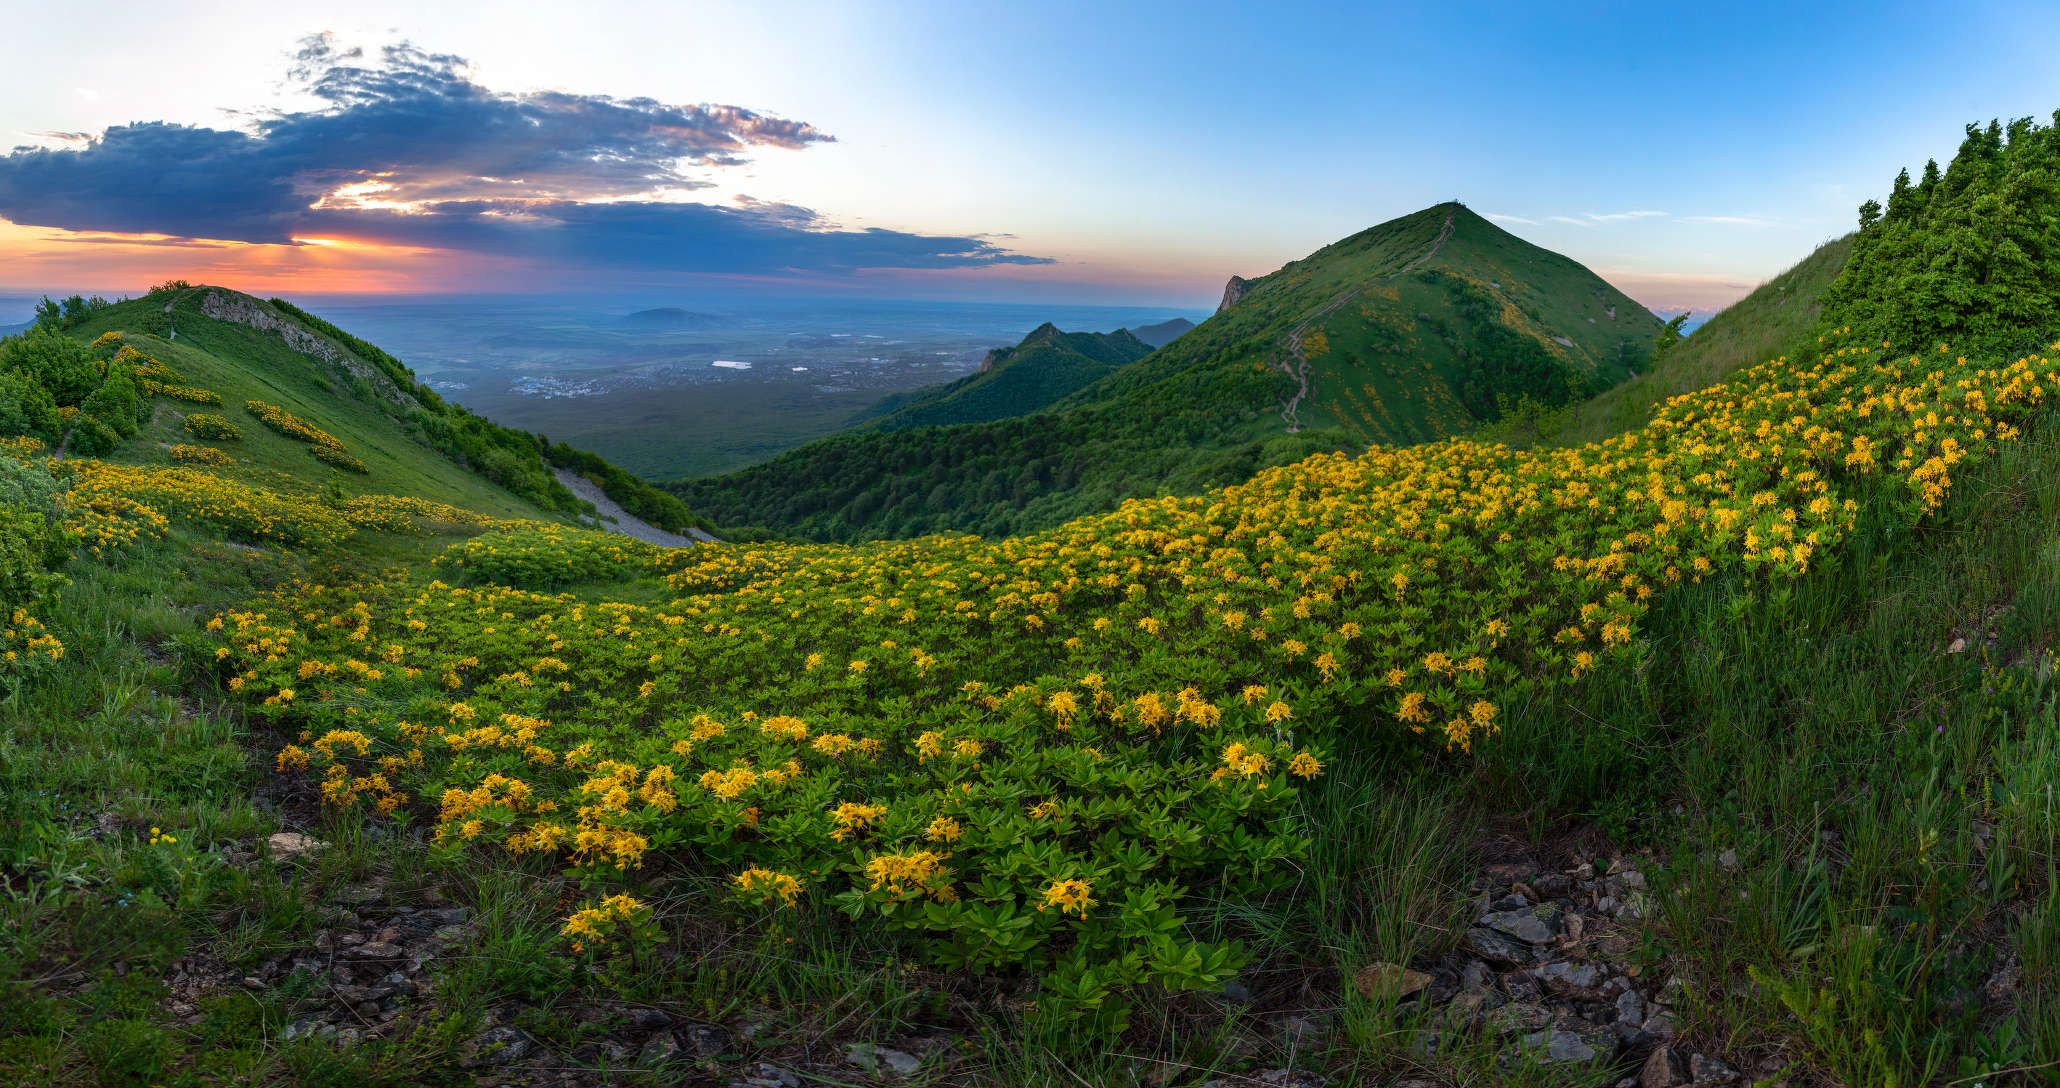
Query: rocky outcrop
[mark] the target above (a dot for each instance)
(1233, 291)
(242, 310)
(993, 356)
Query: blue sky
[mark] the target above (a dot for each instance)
(1078, 152)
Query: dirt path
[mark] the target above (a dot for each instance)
(626, 523)
(1297, 366)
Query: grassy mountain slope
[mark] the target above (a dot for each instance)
(242, 363)
(413, 441)
(1414, 329)
(1777, 318)
(1044, 368)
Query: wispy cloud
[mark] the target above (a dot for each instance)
(1729, 220)
(1585, 219)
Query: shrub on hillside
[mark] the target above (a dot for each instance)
(290, 425)
(201, 455)
(340, 459)
(546, 557)
(92, 437)
(27, 408)
(213, 428)
(53, 360)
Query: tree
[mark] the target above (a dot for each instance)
(1669, 335)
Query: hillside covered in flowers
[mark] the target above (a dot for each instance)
(1156, 780)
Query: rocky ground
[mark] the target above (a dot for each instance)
(1546, 974)
(1546, 971)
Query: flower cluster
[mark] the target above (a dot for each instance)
(200, 455)
(290, 425)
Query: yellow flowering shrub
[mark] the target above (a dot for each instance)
(200, 455)
(290, 425)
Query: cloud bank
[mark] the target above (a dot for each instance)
(406, 149)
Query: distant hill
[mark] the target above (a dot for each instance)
(669, 317)
(1163, 333)
(1045, 368)
(1415, 329)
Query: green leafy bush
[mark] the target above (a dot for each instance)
(547, 557)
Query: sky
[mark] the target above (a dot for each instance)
(1123, 153)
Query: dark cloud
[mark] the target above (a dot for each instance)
(408, 149)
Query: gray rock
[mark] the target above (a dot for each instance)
(877, 1060)
(1497, 947)
(1659, 1026)
(1568, 978)
(1237, 991)
(1553, 885)
(1630, 1008)
(1703, 1069)
(706, 1040)
(1522, 988)
(1475, 976)
(1728, 859)
(1658, 1070)
(301, 1029)
(647, 1019)
(358, 895)
(450, 916)
(659, 1049)
(352, 995)
(1517, 1018)
(1557, 1046)
(496, 1046)
(292, 845)
(768, 1075)
(1534, 925)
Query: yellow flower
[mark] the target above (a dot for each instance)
(1068, 895)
